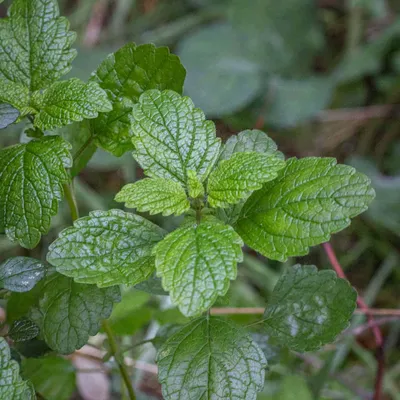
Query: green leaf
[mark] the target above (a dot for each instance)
(293, 387)
(35, 44)
(196, 263)
(53, 377)
(283, 36)
(236, 178)
(8, 115)
(106, 248)
(385, 210)
(31, 179)
(271, 351)
(155, 195)
(249, 140)
(195, 187)
(211, 358)
(125, 75)
(295, 101)
(12, 387)
(22, 330)
(20, 274)
(131, 313)
(152, 285)
(222, 75)
(14, 94)
(308, 308)
(68, 313)
(311, 199)
(68, 101)
(171, 137)
(170, 316)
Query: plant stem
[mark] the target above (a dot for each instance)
(122, 367)
(355, 25)
(70, 197)
(83, 148)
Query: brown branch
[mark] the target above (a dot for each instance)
(359, 113)
(375, 329)
(95, 24)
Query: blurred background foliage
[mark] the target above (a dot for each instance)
(322, 78)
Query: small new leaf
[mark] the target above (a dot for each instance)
(68, 101)
(156, 196)
(211, 358)
(195, 187)
(311, 199)
(68, 313)
(249, 140)
(308, 308)
(106, 248)
(31, 179)
(22, 330)
(171, 137)
(12, 387)
(35, 44)
(236, 178)
(8, 115)
(125, 75)
(20, 274)
(196, 263)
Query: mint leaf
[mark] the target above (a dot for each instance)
(308, 308)
(8, 115)
(31, 179)
(53, 377)
(311, 199)
(293, 387)
(68, 101)
(236, 178)
(295, 101)
(211, 359)
(195, 187)
(249, 140)
(196, 263)
(171, 137)
(22, 330)
(155, 195)
(125, 75)
(20, 274)
(14, 93)
(131, 313)
(106, 248)
(152, 285)
(223, 76)
(35, 44)
(68, 313)
(12, 387)
(283, 48)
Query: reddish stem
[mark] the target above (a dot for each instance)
(374, 327)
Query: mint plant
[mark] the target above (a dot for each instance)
(241, 192)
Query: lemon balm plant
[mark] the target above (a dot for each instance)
(240, 192)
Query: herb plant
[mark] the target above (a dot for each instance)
(241, 192)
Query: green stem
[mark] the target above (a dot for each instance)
(122, 367)
(70, 197)
(83, 148)
(355, 25)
